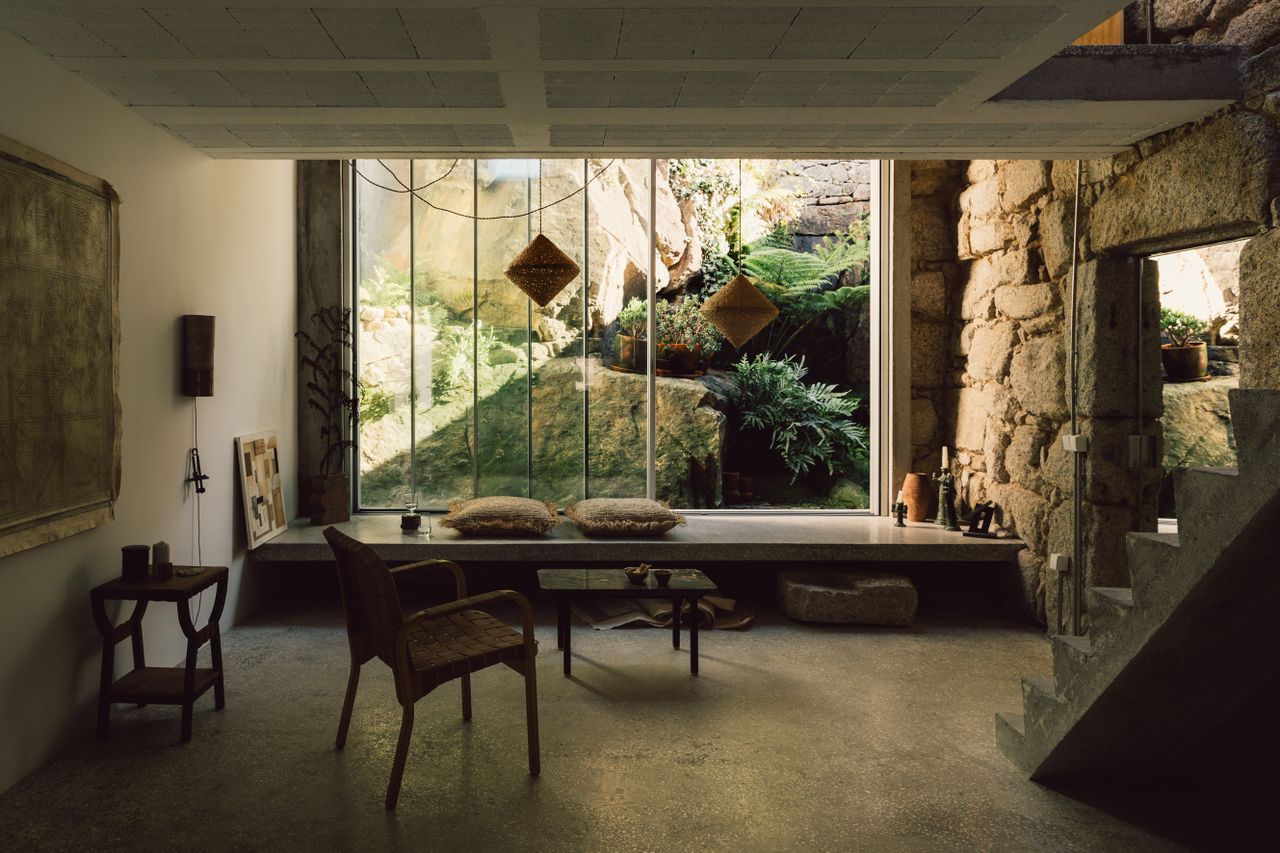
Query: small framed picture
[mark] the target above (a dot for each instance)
(258, 464)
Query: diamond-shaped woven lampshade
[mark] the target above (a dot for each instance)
(541, 270)
(739, 310)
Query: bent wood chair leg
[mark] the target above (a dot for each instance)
(531, 715)
(402, 751)
(466, 697)
(353, 680)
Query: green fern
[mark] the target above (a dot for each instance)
(806, 285)
(809, 424)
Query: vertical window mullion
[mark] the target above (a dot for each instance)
(651, 351)
(586, 315)
(413, 343)
(475, 328)
(528, 340)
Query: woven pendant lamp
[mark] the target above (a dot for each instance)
(739, 310)
(542, 270)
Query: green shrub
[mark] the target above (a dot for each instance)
(451, 371)
(375, 404)
(682, 322)
(809, 424)
(1180, 327)
(633, 319)
(717, 271)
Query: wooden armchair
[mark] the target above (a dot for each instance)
(430, 647)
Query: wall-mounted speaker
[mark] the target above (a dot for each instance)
(197, 355)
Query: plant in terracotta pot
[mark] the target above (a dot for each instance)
(1185, 357)
(686, 341)
(332, 391)
(633, 321)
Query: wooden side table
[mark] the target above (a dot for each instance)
(160, 685)
(567, 584)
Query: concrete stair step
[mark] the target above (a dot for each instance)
(1013, 722)
(1201, 493)
(1151, 557)
(1070, 656)
(1040, 699)
(1255, 422)
(1109, 606)
(1011, 738)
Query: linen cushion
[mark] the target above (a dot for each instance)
(501, 516)
(623, 517)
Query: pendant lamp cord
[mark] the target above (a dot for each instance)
(539, 195)
(742, 212)
(414, 191)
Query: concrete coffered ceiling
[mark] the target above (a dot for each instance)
(868, 78)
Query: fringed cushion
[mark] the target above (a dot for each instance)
(623, 517)
(501, 516)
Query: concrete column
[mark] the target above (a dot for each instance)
(320, 283)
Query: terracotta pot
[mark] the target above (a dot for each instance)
(917, 494)
(666, 356)
(684, 359)
(630, 353)
(330, 499)
(1183, 364)
(744, 490)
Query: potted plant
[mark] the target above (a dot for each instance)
(1185, 357)
(633, 319)
(332, 391)
(686, 341)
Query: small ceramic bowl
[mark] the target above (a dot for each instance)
(662, 576)
(637, 574)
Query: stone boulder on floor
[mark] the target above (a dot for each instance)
(847, 598)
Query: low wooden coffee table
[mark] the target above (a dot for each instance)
(567, 584)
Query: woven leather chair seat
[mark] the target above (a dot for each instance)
(445, 648)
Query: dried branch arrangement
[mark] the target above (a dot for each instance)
(332, 389)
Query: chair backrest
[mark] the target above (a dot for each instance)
(368, 597)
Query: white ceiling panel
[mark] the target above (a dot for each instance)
(864, 78)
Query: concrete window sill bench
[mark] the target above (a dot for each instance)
(706, 539)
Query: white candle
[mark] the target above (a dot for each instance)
(901, 497)
(946, 458)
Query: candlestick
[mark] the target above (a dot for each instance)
(946, 493)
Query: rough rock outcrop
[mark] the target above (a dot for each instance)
(691, 430)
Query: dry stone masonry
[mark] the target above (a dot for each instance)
(991, 342)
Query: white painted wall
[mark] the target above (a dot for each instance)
(198, 236)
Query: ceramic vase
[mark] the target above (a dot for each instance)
(917, 495)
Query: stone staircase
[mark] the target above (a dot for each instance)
(1180, 661)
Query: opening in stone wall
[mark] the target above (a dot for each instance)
(1200, 358)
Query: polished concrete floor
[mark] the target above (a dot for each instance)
(793, 738)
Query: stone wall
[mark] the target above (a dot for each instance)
(935, 275)
(1006, 400)
(833, 194)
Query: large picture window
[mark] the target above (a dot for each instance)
(619, 387)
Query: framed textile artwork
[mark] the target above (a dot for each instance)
(258, 458)
(60, 345)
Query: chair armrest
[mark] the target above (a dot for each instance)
(474, 602)
(459, 579)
